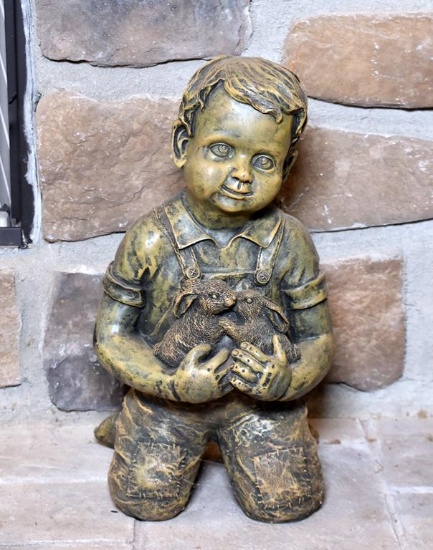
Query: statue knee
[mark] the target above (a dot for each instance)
(150, 509)
(278, 503)
(274, 510)
(288, 486)
(147, 494)
(148, 503)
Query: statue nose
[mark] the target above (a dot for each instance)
(241, 174)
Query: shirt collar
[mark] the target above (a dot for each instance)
(187, 231)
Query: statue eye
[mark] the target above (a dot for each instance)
(264, 162)
(221, 150)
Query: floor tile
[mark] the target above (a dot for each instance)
(68, 512)
(379, 477)
(354, 511)
(415, 513)
(405, 450)
(337, 430)
(44, 451)
(105, 545)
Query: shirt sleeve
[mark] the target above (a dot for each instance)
(307, 295)
(123, 280)
(122, 291)
(304, 285)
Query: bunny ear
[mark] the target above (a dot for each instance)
(184, 298)
(276, 316)
(183, 302)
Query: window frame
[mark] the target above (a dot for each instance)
(22, 198)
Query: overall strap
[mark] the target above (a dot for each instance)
(267, 258)
(186, 257)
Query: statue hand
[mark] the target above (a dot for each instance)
(197, 380)
(265, 377)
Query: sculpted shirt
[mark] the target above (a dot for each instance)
(273, 253)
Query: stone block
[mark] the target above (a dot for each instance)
(102, 164)
(10, 328)
(405, 448)
(381, 60)
(349, 180)
(140, 34)
(104, 545)
(54, 491)
(76, 380)
(64, 451)
(415, 515)
(336, 431)
(365, 300)
(64, 512)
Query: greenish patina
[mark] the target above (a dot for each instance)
(215, 310)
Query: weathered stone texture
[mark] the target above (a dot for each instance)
(365, 299)
(76, 380)
(10, 327)
(103, 164)
(368, 60)
(350, 180)
(366, 307)
(140, 34)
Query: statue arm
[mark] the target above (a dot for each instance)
(316, 356)
(122, 351)
(315, 341)
(118, 345)
(305, 302)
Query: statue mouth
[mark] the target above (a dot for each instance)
(237, 195)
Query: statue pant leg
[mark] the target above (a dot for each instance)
(272, 460)
(156, 459)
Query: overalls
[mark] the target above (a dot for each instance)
(267, 448)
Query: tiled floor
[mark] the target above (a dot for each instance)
(379, 475)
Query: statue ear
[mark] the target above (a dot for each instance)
(180, 140)
(288, 164)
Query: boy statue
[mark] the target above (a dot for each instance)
(235, 138)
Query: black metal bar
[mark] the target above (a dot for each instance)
(22, 207)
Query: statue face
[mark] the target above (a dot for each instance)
(234, 163)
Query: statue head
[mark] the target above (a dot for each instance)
(239, 121)
(268, 87)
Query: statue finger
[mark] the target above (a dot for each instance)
(244, 372)
(219, 365)
(240, 384)
(279, 352)
(248, 360)
(198, 352)
(254, 352)
(246, 387)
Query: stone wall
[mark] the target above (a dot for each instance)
(363, 182)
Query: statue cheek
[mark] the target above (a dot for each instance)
(214, 173)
